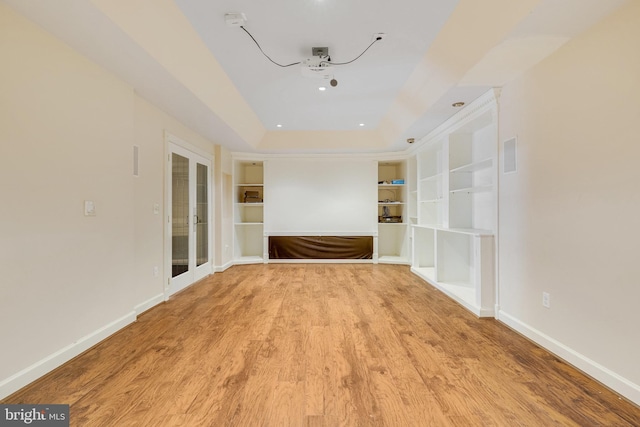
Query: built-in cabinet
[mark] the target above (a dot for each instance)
(453, 242)
(248, 178)
(393, 213)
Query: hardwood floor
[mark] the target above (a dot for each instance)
(322, 345)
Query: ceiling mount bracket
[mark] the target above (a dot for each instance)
(319, 51)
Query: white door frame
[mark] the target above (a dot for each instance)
(195, 156)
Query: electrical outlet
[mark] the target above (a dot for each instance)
(89, 208)
(546, 300)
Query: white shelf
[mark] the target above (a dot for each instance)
(474, 167)
(392, 245)
(248, 217)
(463, 293)
(463, 289)
(431, 178)
(470, 231)
(477, 189)
(431, 201)
(427, 273)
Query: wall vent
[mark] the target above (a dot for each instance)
(510, 164)
(136, 162)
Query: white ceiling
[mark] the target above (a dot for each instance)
(435, 52)
(288, 29)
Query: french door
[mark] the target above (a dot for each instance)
(189, 219)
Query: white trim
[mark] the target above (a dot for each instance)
(58, 358)
(178, 287)
(246, 260)
(173, 144)
(221, 268)
(488, 102)
(442, 287)
(395, 260)
(148, 304)
(169, 137)
(320, 261)
(384, 157)
(502, 150)
(600, 373)
(322, 234)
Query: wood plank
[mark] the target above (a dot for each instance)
(322, 345)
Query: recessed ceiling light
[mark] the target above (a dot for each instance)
(278, 126)
(361, 124)
(457, 104)
(322, 88)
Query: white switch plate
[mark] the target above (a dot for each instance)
(156, 209)
(89, 208)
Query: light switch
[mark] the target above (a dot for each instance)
(89, 208)
(156, 209)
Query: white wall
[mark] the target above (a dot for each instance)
(568, 217)
(321, 195)
(67, 128)
(66, 134)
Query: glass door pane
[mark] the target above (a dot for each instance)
(179, 214)
(202, 214)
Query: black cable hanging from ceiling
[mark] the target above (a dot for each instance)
(357, 57)
(267, 56)
(299, 62)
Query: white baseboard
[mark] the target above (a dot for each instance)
(223, 267)
(150, 303)
(320, 261)
(49, 363)
(602, 374)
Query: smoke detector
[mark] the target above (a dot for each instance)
(235, 19)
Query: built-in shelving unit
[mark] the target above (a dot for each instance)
(435, 207)
(430, 186)
(453, 240)
(393, 213)
(412, 189)
(248, 211)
